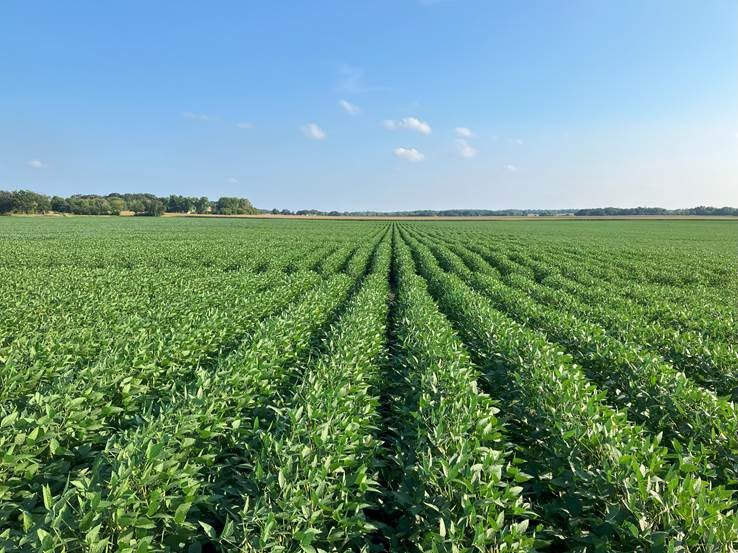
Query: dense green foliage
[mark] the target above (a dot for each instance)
(25, 201)
(278, 385)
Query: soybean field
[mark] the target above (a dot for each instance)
(202, 385)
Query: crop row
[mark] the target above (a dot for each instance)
(696, 307)
(655, 394)
(712, 363)
(599, 479)
(168, 451)
(456, 482)
(315, 466)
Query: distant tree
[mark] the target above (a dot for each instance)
(117, 204)
(7, 202)
(135, 205)
(102, 206)
(202, 204)
(227, 206)
(59, 204)
(234, 206)
(180, 204)
(153, 207)
(275, 211)
(25, 201)
(286, 212)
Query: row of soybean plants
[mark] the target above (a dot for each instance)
(74, 457)
(662, 253)
(322, 474)
(315, 466)
(453, 482)
(711, 362)
(60, 321)
(700, 313)
(658, 253)
(606, 263)
(655, 394)
(696, 307)
(141, 318)
(168, 243)
(248, 390)
(64, 316)
(137, 316)
(61, 428)
(598, 480)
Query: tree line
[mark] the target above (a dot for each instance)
(590, 212)
(26, 201)
(615, 211)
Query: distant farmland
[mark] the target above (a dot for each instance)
(191, 384)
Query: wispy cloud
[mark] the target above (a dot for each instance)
(410, 123)
(409, 154)
(352, 80)
(195, 116)
(511, 168)
(35, 163)
(313, 131)
(245, 125)
(465, 149)
(518, 141)
(232, 180)
(348, 107)
(463, 132)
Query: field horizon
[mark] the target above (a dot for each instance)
(418, 218)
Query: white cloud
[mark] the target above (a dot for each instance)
(511, 168)
(518, 141)
(416, 124)
(195, 116)
(464, 132)
(313, 131)
(409, 154)
(36, 164)
(232, 180)
(410, 123)
(245, 125)
(349, 108)
(465, 149)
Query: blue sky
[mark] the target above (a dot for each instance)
(383, 105)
